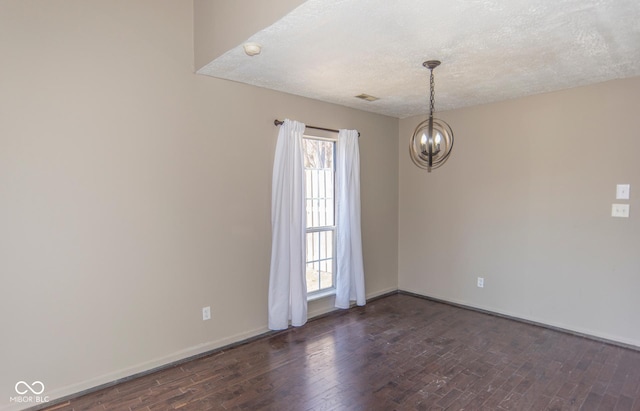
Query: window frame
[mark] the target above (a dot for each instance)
(328, 291)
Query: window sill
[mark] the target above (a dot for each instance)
(321, 294)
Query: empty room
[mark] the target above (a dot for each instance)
(319, 205)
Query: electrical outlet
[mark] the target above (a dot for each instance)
(620, 210)
(480, 282)
(206, 313)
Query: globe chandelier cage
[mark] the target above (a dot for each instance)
(432, 140)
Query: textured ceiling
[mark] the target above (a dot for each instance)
(491, 50)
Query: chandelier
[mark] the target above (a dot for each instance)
(432, 140)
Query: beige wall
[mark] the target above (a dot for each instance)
(525, 202)
(133, 193)
(127, 202)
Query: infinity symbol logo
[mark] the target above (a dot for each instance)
(31, 387)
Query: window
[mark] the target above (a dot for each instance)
(319, 169)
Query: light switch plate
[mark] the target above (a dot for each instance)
(620, 210)
(206, 313)
(622, 191)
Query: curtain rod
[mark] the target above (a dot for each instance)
(279, 123)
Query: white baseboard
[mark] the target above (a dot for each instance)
(137, 370)
(584, 332)
(156, 364)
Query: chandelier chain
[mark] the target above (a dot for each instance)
(433, 99)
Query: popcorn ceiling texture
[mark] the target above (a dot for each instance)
(491, 50)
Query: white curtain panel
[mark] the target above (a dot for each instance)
(350, 271)
(287, 280)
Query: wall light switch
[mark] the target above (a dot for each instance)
(206, 313)
(622, 191)
(620, 210)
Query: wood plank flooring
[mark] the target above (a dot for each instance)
(397, 353)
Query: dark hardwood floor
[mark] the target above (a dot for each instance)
(397, 353)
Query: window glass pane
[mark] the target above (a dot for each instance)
(322, 253)
(319, 260)
(318, 154)
(319, 202)
(326, 275)
(319, 176)
(313, 278)
(327, 243)
(309, 247)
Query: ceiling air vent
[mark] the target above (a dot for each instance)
(367, 97)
